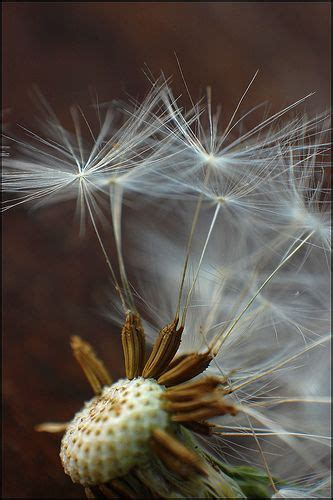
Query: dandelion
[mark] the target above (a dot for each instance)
(227, 256)
(58, 166)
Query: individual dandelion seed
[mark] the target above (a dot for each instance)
(244, 178)
(58, 166)
(197, 132)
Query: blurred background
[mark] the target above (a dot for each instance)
(51, 277)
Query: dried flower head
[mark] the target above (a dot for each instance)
(138, 423)
(227, 253)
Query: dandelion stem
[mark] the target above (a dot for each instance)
(188, 249)
(189, 295)
(116, 209)
(114, 279)
(189, 243)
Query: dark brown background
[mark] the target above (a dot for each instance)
(51, 276)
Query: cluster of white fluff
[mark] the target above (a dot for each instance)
(228, 227)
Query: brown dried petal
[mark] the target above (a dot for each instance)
(93, 368)
(164, 349)
(133, 340)
(175, 455)
(188, 367)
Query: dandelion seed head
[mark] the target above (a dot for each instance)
(111, 434)
(228, 280)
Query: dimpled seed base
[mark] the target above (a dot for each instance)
(111, 433)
